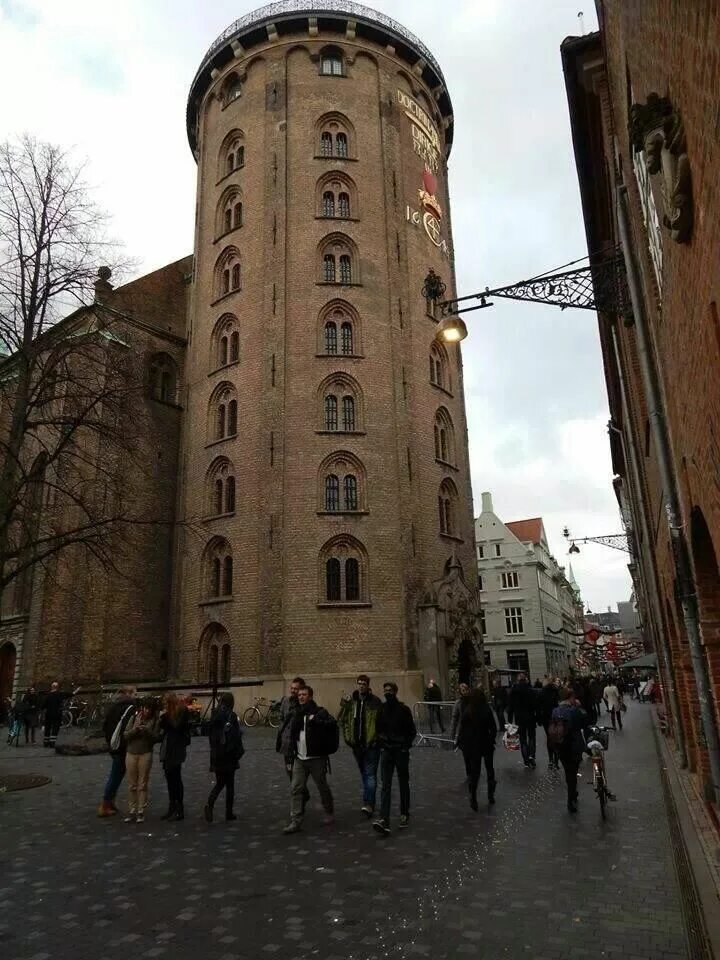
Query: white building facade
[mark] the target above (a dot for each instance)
(531, 609)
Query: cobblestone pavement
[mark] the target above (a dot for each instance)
(525, 880)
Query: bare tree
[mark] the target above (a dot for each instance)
(68, 387)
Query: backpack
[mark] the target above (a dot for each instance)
(326, 736)
(229, 739)
(557, 731)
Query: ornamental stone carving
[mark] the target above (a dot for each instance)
(657, 129)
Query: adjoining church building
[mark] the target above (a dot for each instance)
(318, 442)
(531, 608)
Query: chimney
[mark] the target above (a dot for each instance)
(487, 504)
(103, 287)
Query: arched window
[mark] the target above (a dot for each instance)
(339, 260)
(229, 211)
(234, 346)
(331, 337)
(220, 480)
(225, 342)
(218, 505)
(343, 571)
(329, 268)
(328, 206)
(335, 136)
(332, 493)
(331, 412)
(341, 145)
(341, 405)
(213, 665)
(221, 421)
(336, 195)
(232, 89)
(230, 495)
(345, 268)
(214, 655)
(223, 358)
(347, 337)
(164, 378)
(235, 281)
(223, 412)
(225, 664)
(237, 215)
(350, 492)
(227, 272)
(326, 144)
(232, 153)
(447, 504)
(331, 63)
(218, 566)
(439, 367)
(232, 418)
(444, 435)
(343, 204)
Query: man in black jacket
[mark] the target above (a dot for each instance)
(314, 736)
(396, 734)
(120, 710)
(548, 699)
(53, 714)
(522, 710)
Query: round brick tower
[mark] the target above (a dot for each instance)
(325, 464)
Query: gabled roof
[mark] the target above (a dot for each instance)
(527, 530)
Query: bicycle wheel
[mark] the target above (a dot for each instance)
(251, 717)
(66, 718)
(274, 717)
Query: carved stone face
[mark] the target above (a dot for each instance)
(654, 143)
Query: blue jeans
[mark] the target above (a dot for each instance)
(367, 760)
(117, 772)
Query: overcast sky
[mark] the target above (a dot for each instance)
(111, 79)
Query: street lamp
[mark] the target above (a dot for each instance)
(618, 541)
(451, 330)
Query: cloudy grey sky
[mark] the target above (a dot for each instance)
(111, 79)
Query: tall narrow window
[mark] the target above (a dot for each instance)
(226, 281)
(237, 215)
(328, 204)
(216, 577)
(332, 579)
(230, 165)
(443, 445)
(436, 430)
(352, 579)
(341, 145)
(221, 421)
(331, 413)
(331, 65)
(329, 268)
(345, 269)
(236, 277)
(227, 221)
(234, 346)
(218, 496)
(347, 338)
(230, 495)
(331, 341)
(228, 577)
(350, 492)
(326, 144)
(232, 418)
(344, 205)
(213, 665)
(348, 414)
(225, 664)
(332, 492)
(223, 358)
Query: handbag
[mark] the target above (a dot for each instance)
(116, 738)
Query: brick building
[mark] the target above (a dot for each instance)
(323, 481)
(643, 110)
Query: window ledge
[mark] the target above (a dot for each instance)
(226, 175)
(342, 356)
(227, 233)
(343, 513)
(233, 363)
(320, 216)
(218, 516)
(333, 283)
(225, 296)
(444, 390)
(446, 463)
(325, 156)
(214, 443)
(214, 600)
(347, 604)
(451, 536)
(347, 433)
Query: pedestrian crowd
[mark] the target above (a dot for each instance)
(380, 734)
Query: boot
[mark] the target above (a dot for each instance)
(170, 813)
(178, 813)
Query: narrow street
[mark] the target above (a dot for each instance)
(526, 879)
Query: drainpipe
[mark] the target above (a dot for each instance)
(630, 455)
(678, 540)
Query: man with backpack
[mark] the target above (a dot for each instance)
(314, 736)
(565, 733)
(226, 748)
(116, 719)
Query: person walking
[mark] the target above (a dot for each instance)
(289, 705)
(226, 749)
(315, 736)
(175, 729)
(500, 702)
(53, 714)
(476, 738)
(522, 710)
(566, 733)
(358, 723)
(396, 734)
(141, 734)
(30, 709)
(548, 699)
(614, 700)
(433, 694)
(119, 714)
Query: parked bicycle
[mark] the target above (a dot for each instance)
(263, 711)
(15, 725)
(80, 713)
(598, 740)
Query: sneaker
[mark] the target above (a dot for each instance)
(292, 827)
(140, 818)
(106, 810)
(405, 820)
(130, 818)
(367, 810)
(381, 826)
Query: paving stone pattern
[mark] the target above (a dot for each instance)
(525, 880)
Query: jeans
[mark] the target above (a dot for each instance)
(224, 780)
(473, 764)
(526, 732)
(367, 760)
(315, 767)
(616, 714)
(571, 765)
(391, 759)
(138, 767)
(176, 790)
(115, 778)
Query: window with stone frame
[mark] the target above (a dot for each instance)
(164, 379)
(218, 569)
(342, 484)
(343, 572)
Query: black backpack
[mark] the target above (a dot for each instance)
(229, 739)
(326, 736)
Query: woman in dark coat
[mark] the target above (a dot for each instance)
(226, 748)
(30, 707)
(476, 739)
(175, 727)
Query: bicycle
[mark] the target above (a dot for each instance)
(597, 744)
(268, 713)
(15, 725)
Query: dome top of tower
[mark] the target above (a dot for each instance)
(340, 17)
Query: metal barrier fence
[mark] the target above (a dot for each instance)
(433, 721)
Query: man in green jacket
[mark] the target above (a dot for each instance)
(357, 719)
